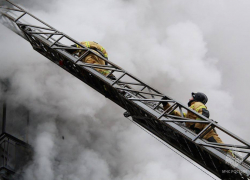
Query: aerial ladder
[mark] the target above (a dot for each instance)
(141, 102)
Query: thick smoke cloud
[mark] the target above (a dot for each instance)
(176, 46)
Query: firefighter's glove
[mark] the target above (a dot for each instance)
(111, 76)
(71, 51)
(164, 103)
(197, 131)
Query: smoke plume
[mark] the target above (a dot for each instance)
(175, 46)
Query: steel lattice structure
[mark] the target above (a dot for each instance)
(141, 102)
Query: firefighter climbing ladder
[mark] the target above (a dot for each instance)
(141, 102)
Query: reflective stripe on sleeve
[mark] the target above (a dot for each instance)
(106, 54)
(201, 107)
(197, 109)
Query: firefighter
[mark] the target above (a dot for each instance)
(92, 58)
(197, 103)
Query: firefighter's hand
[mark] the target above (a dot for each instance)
(164, 103)
(197, 131)
(71, 51)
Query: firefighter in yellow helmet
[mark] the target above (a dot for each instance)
(92, 58)
(197, 103)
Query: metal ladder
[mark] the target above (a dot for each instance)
(141, 102)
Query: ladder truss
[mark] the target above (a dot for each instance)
(141, 102)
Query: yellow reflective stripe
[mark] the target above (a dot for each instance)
(87, 44)
(105, 72)
(200, 108)
(198, 111)
(106, 54)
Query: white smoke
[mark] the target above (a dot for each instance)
(44, 153)
(177, 47)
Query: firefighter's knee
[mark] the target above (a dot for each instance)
(215, 138)
(211, 139)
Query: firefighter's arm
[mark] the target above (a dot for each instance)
(203, 111)
(97, 47)
(87, 44)
(176, 113)
(77, 46)
(100, 48)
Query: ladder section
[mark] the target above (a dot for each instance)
(141, 102)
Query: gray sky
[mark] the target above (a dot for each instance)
(45, 5)
(176, 46)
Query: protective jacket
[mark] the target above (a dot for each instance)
(92, 58)
(198, 107)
